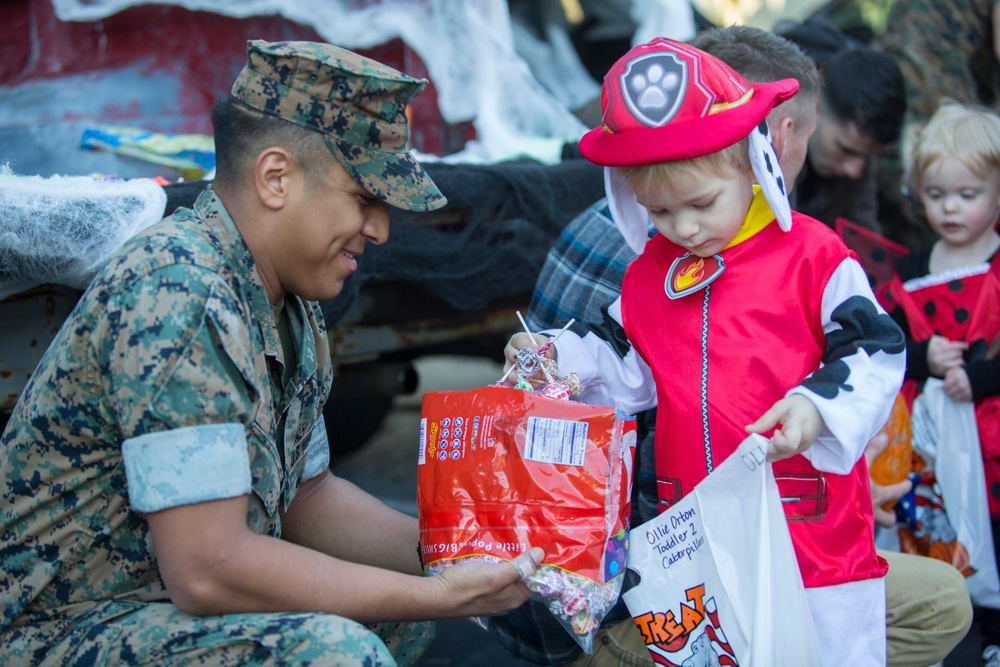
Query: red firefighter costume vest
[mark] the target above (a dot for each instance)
(962, 309)
(724, 353)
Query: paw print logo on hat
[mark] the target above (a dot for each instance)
(653, 87)
(665, 101)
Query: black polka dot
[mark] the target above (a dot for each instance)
(995, 489)
(763, 128)
(930, 307)
(889, 296)
(879, 255)
(956, 285)
(961, 314)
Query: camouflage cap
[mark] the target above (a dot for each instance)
(359, 105)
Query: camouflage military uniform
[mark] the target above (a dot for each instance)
(164, 388)
(944, 49)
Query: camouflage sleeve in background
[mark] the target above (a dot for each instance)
(944, 48)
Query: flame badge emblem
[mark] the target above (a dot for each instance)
(690, 273)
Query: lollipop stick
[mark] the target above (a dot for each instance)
(563, 330)
(541, 350)
(505, 375)
(534, 340)
(526, 329)
(545, 348)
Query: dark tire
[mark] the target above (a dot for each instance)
(351, 422)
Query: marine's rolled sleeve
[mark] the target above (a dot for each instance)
(187, 465)
(318, 454)
(181, 391)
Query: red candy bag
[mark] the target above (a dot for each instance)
(501, 470)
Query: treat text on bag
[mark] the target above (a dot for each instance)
(664, 631)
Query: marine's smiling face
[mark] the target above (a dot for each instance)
(332, 219)
(700, 210)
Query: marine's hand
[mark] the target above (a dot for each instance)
(944, 354)
(957, 385)
(488, 589)
(798, 425)
(884, 494)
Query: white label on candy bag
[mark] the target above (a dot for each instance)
(422, 454)
(555, 441)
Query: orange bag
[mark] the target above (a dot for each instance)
(502, 469)
(896, 460)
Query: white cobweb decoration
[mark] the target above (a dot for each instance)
(63, 229)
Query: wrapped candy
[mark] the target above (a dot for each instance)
(530, 363)
(558, 390)
(523, 384)
(549, 366)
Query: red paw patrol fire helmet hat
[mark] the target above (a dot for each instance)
(666, 100)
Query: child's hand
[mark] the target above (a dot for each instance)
(884, 494)
(957, 385)
(800, 423)
(944, 354)
(522, 339)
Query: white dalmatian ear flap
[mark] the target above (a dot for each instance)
(769, 176)
(629, 215)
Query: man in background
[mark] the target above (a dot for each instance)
(861, 110)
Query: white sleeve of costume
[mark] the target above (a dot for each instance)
(861, 407)
(608, 379)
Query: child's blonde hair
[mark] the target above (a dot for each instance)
(658, 174)
(968, 133)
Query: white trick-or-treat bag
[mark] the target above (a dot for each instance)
(720, 584)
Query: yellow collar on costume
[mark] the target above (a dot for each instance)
(759, 216)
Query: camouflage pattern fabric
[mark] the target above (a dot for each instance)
(944, 49)
(359, 105)
(177, 331)
(127, 633)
